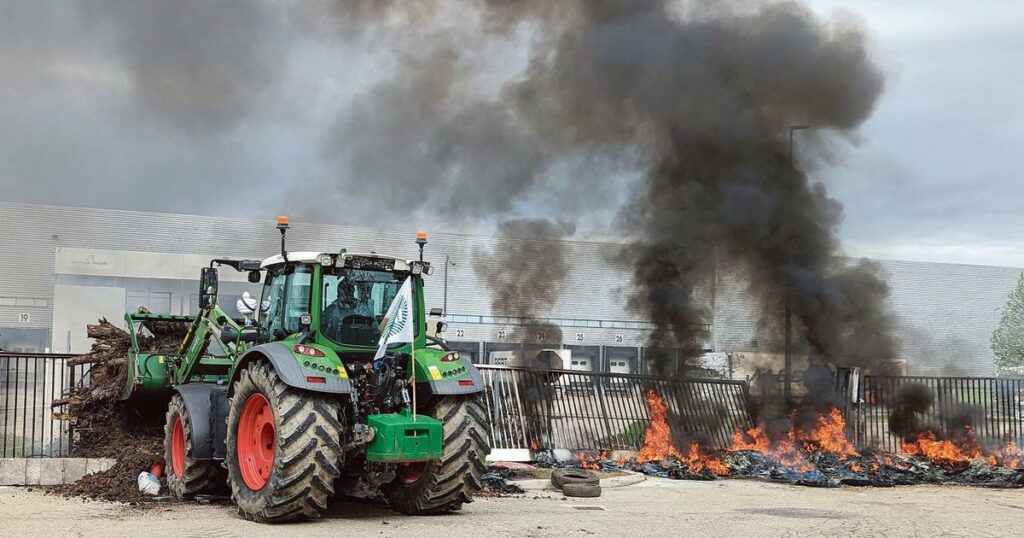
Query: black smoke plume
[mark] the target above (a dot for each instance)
(697, 99)
(526, 271)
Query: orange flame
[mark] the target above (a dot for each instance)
(1010, 456)
(828, 435)
(944, 453)
(658, 444)
(698, 461)
(587, 462)
(658, 438)
(783, 451)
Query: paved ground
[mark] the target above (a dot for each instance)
(652, 508)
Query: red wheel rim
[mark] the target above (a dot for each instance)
(178, 447)
(256, 442)
(411, 472)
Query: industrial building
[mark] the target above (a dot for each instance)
(66, 266)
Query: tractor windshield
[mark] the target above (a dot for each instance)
(355, 301)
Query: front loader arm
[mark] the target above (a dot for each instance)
(210, 323)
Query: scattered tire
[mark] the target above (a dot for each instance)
(444, 485)
(186, 475)
(561, 477)
(283, 448)
(581, 489)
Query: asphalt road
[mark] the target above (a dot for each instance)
(652, 508)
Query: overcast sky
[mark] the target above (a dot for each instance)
(104, 105)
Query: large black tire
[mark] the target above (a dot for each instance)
(307, 449)
(581, 489)
(563, 476)
(449, 482)
(197, 476)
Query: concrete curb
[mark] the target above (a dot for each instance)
(49, 471)
(610, 482)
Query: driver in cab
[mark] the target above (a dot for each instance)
(345, 305)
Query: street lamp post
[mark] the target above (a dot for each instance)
(444, 303)
(788, 380)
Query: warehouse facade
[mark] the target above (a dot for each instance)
(67, 266)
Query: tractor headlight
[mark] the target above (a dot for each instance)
(324, 260)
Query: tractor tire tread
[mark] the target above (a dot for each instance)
(308, 457)
(200, 476)
(452, 480)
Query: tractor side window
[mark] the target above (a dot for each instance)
(286, 295)
(297, 296)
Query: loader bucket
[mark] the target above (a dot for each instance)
(146, 372)
(146, 375)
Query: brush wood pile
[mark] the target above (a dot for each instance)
(104, 427)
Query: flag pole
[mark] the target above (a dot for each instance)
(412, 378)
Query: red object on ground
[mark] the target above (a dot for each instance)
(157, 469)
(256, 442)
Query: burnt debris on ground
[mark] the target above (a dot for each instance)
(871, 468)
(815, 451)
(496, 482)
(105, 427)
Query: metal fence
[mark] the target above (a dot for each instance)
(595, 411)
(28, 384)
(994, 406)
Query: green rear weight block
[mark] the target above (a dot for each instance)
(398, 438)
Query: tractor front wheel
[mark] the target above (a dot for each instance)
(444, 485)
(186, 475)
(283, 447)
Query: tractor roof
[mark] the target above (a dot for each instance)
(401, 264)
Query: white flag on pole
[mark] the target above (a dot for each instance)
(399, 326)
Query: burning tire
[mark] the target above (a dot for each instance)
(581, 489)
(444, 485)
(186, 475)
(561, 477)
(283, 450)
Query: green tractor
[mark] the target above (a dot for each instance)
(299, 404)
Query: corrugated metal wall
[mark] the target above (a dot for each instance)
(947, 312)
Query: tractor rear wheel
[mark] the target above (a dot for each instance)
(444, 485)
(283, 447)
(186, 475)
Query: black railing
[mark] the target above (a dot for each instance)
(603, 411)
(29, 382)
(992, 406)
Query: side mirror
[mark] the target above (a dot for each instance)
(254, 277)
(207, 288)
(441, 326)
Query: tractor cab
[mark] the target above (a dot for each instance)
(336, 300)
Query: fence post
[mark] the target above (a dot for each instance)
(71, 425)
(604, 412)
